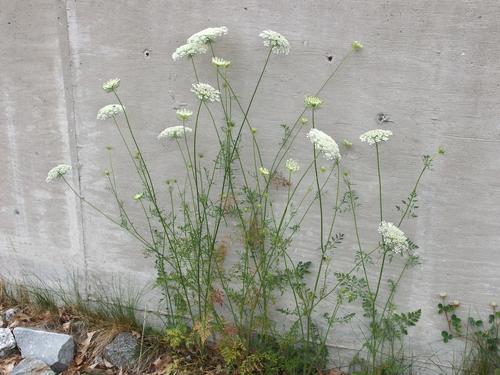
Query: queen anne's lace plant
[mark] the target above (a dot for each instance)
(174, 132)
(184, 114)
(394, 238)
(312, 101)
(57, 172)
(188, 50)
(324, 144)
(375, 136)
(208, 35)
(264, 171)
(205, 92)
(221, 63)
(111, 85)
(278, 43)
(292, 166)
(109, 111)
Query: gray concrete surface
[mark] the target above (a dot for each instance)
(433, 66)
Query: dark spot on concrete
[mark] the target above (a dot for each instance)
(147, 53)
(330, 58)
(10, 23)
(245, 8)
(16, 211)
(383, 117)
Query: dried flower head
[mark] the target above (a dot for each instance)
(278, 43)
(109, 111)
(357, 46)
(292, 166)
(220, 62)
(188, 50)
(312, 101)
(375, 136)
(175, 132)
(57, 172)
(324, 144)
(264, 171)
(208, 35)
(455, 303)
(393, 238)
(184, 114)
(205, 92)
(111, 85)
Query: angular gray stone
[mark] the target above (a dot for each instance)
(9, 314)
(55, 349)
(7, 342)
(31, 366)
(122, 351)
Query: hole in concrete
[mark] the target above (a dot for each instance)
(329, 58)
(147, 53)
(383, 117)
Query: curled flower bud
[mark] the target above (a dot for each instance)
(493, 305)
(455, 303)
(264, 171)
(303, 120)
(347, 143)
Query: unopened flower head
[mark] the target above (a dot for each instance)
(205, 92)
(312, 101)
(184, 114)
(347, 143)
(138, 196)
(174, 132)
(111, 110)
(208, 35)
(324, 144)
(220, 62)
(375, 136)
(394, 238)
(443, 295)
(188, 50)
(264, 171)
(57, 172)
(493, 305)
(292, 166)
(278, 43)
(111, 85)
(357, 46)
(304, 120)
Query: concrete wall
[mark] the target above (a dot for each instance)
(432, 65)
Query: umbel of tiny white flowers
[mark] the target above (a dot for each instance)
(264, 171)
(278, 43)
(324, 144)
(312, 101)
(220, 62)
(111, 85)
(375, 136)
(205, 92)
(109, 111)
(292, 166)
(208, 35)
(394, 238)
(184, 114)
(188, 50)
(174, 132)
(57, 172)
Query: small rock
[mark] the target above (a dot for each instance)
(55, 349)
(31, 366)
(9, 314)
(121, 352)
(7, 342)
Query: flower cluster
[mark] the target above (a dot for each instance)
(205, 92)
(264, 171)
(183, 114)
(324, 144)
(393, 238)
(207, 35)
(56, 172)
(175, 132)
(111, 110)
(111, 85)
(375, 136)
(357, 46)
(312, 101)
(220, 63)
(188, 50)
(278, 43)
(292, 166)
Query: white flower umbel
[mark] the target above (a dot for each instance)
(292, 166)
(375, 136)
(312, 101)
(394, 238)
(57, 172)
(111, 85)
(174, 132)
(264, 171)
(324, 144)
(208, 35)
(278, 43)
(188, 50)
(183, 114)
(111, 110)
(205, 92)
(220, 63)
